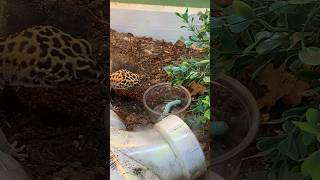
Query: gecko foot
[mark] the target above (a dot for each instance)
(18, 152)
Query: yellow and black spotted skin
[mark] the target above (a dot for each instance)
(44, 56)
(123, 79)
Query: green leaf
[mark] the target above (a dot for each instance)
(293, 117)
(311, 166)
(206, 79)
(310, 55)
(308, 139)
(216, 26)
(207, 114)
(272, 43)
(300, 1)
(227, 41)
(287, 126)
(291, 147)
(193, 75)
(304, 126)
(183, 16)
(202, 119)
(263, 35)
(206, 100)
(247, 37)
(177, 14)
(313, 116)
(295, 38)
(241, 15)
(249, 48)
(238, 24)
(311, 15)
(240, 9)
(222, 66)
(267, 143)
(276, 6)
(300, 111)
(260, 36)
(311, 92)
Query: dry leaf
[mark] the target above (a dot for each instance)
(278, 82)
(196, 88)
(295, 96)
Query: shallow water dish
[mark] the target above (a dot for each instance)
(159, 95)
(235, 105)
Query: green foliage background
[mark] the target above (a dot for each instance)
(195, 70)
(255, 33)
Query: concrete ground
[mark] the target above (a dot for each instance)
(158, 22)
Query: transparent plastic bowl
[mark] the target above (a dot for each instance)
(157, 96)
(234, 104)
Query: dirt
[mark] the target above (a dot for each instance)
(144, 56)
(59, 147)
(63, 127)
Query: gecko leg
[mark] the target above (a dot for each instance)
(12, 149)
(18, 152)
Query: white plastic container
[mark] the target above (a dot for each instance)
(168, 151)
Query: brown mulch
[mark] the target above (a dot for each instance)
(144, 56)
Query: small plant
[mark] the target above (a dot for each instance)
(190, 70)
(202, 109)
(295, 152)
(200, 35)
(195, 70)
